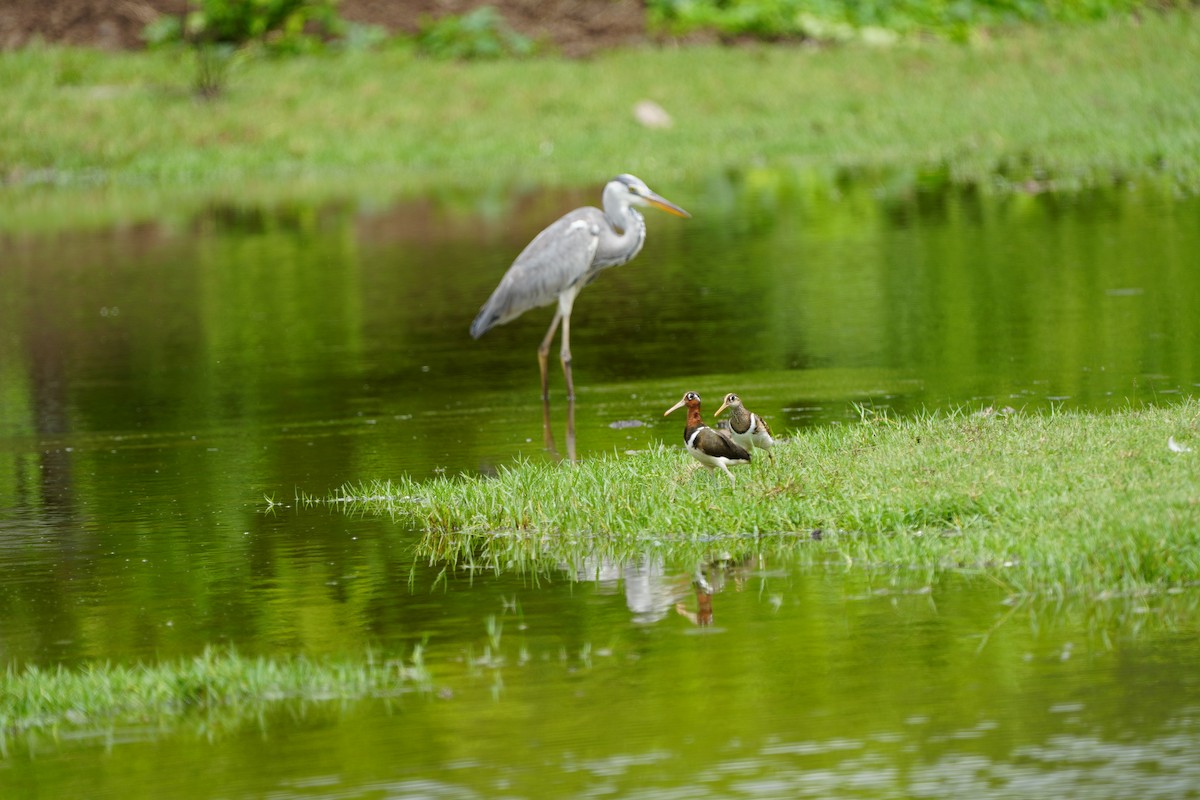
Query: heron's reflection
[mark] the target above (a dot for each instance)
(548, 430)
(651, 592)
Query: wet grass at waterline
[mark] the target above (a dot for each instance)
(89, 136)
(223, 686)
(1043, 504)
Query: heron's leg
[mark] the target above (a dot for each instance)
(544, 357)
(543, 363)
(566, 355)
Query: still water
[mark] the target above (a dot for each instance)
(159, 382)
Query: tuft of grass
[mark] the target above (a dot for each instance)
(1051, 504)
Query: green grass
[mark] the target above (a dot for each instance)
(1058, 504)
(91, 138)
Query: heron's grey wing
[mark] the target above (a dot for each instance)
(557, 258)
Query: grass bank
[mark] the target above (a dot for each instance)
(1058, 504)
(90, 137)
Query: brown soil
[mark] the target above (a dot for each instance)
(574, 27)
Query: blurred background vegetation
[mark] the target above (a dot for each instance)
(877, 19)
(216, 29)
(93, 137)
(291, 26)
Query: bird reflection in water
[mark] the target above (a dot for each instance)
(558, 263)
(710, 579)
(651, 589)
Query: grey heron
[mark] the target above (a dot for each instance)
(567, 256)
(746, 427)
(710, 448)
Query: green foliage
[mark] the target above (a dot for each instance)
(164, 30)
(283, 26)
(216, 30)
(480, 34)
(843, 19)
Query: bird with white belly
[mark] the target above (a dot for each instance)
(711, 448)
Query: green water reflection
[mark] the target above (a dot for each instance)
(827, 684)
(158, 383)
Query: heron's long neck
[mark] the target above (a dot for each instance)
(630, 229)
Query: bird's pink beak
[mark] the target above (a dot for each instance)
(680, 404)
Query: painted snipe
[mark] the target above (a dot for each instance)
(746, 427)
(706, 445)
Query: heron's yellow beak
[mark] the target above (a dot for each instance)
(722, 408)
(680, 404)
(666, 205)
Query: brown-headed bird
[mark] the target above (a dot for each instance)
(706, 445)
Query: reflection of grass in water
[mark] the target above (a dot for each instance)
(221, 690)
(217, 682)
(1045, 505)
